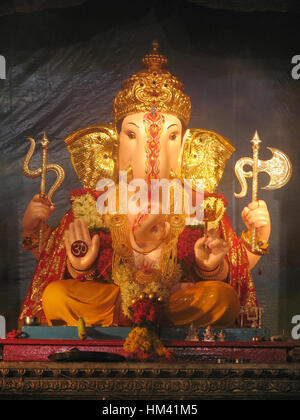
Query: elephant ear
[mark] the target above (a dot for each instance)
(204, 157)
(93, 152)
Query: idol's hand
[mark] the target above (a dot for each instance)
(217, 248)
(39, 209)
(256, 215)
(78, 231)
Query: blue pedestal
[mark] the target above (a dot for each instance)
(120, 333)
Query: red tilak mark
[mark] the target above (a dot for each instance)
(153, 125)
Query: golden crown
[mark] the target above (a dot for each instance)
(152, 87)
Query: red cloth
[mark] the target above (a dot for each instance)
(51, 266)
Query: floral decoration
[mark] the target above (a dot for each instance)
(143, 342)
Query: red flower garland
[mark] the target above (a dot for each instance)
(147, 311)
(83, 191)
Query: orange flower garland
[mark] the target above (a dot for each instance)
(143, 343)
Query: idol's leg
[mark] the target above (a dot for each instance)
(68, 300)
(206, 303)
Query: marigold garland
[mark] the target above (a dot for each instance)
(143, 343)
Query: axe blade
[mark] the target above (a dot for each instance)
(279, 169)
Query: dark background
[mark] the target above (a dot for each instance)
(65, 62)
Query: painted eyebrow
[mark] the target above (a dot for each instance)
(171, 126)
(134, 124)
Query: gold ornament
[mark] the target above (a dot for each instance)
(204, 157)
(209, 275)
(152, 87)
(260, 247)
(279, 169)
(93, 152)
(41, 172)
(31, 240)
(214, 209)
(147, 275)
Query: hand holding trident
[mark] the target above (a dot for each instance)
(41, 172)
(279, 168)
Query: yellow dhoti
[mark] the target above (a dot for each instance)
(206, 303)
(68, 300)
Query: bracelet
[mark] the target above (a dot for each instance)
(261, 247)
(87, 274)
(209, 274)
(31, 240)
(92, 276)
(81, 271)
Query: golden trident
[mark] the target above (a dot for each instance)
(41, 172)
(279, 169)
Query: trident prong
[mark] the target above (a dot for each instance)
(41, 172)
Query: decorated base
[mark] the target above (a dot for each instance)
(201, 370)
(148, 381)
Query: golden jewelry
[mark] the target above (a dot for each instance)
(92, 276)
(261, 246)
(209, 274)
(31, 240)
(93, 152)
(89, 274)
(205, 154)
(148, 275)
(152, 87)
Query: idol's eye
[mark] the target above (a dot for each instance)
(131, 135)
(173, 136)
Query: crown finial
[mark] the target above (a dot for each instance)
(155, 46)
(154, 60)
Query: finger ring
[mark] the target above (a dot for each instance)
(79, 248)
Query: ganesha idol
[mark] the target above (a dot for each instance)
(97, 265)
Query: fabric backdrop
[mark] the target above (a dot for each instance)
(27, 6)
(65, 64)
